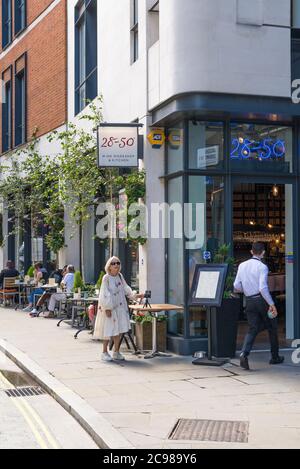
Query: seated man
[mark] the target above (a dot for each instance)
(57, 274)
(10, 272)
(67, 283)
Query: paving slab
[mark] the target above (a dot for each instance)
(140, 401)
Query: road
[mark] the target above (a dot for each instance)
(35, 422)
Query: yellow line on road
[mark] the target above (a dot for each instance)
(32, 418)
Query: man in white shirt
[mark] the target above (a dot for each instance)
(252, 280)
(68, 283)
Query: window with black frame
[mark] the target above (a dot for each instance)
(261, 147)
(19, 16)
(7, 111)
(86, 81)
(20, 101)
(206, 144)
(134, 31)
(6, 22)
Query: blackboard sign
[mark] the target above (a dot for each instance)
(208, 285)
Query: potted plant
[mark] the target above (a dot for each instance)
(143, 331)
(224, 319)
(78, 284)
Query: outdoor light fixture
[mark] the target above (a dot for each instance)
(270, 226)
(252, 222)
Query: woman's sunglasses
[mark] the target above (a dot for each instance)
(115, 263)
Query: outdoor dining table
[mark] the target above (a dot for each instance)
(154, 310)
(85, 302)
(28, 287)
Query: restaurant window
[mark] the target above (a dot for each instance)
(205, 218)
(206, 145)
(20, 101)
(134, 31)
(6, 22)
(7, 111)
(85, 53)
(261, 148)
(20, 16)
(175, 292)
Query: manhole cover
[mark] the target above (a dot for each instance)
(24, 392)
(211, 430)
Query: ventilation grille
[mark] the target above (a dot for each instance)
(25, 392)
(211, 430)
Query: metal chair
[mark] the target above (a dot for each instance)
(9, 290)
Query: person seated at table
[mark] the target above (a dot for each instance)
(57, 274)
(68, 284)
(38, 276)
(113, 318)
(9, 272)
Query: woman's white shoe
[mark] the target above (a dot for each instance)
(105, 357)
(118, 356)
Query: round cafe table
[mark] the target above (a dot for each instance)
(154, 309)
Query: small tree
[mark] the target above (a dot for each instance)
(78, 283)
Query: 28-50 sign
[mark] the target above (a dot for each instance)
(121, 143)
(117, 146)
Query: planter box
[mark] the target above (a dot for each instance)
(143, 336)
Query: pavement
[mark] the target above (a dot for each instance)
(137, 403)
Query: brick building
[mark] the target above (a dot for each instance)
(33, 68)
(33, 57)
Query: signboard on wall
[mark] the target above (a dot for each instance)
(208, 156)
(156, 138)
(118, 145)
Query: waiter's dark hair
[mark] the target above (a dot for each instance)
(258, 248)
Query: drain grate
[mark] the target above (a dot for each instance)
(25, 392)
(210, 430)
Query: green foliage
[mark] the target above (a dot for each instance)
(30, 271)
(99, 281)
(90, 289)
(78, 283)
(30, 189)
(222, 256)
(142, 318)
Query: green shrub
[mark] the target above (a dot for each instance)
(99, 281)
(78, 283)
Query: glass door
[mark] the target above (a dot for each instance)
(263, 211)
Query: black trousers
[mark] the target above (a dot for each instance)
(258, 320)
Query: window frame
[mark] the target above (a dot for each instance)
(19, 6)
(134, 31)
(7, 111)
(7, 24)
(81, 20)
(17, 73)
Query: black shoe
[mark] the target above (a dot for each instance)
(244, 362)
(276, 361)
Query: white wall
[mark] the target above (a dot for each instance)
(203, 48)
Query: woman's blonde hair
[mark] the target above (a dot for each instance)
(110, 260)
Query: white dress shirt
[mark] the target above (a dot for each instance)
(252, 279)
(68, 280)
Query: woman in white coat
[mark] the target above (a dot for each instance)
(113, 317)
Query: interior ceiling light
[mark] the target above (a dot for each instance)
(275, 190)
